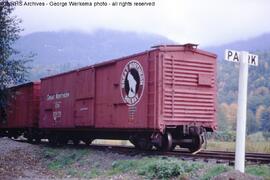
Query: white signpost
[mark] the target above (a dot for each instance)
(245, 59)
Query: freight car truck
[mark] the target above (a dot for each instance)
(159, 98)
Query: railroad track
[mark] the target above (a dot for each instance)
(253, 157)
(225, 156)
(203, 155)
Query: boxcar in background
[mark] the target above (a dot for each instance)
(162, 97)
(22, 114)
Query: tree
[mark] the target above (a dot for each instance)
(252, 125)
(265, 121)
(258, 114)
(232, 115)
(222, 117)
(13, 67)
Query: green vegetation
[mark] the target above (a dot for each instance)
(63, 158)
(258, 113)
(251, 146)
(68, 162)
(63, 161)
(256, 170)
(160, 168)
(13, 68)
(214, 171)
(123, 166)
(226, 135)
(164, 169)
(85, 163)
(94, 172)
(261, 170)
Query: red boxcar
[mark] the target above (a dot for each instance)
(22, 114)
(163, 97)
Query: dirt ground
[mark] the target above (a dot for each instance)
(236, 175)
(21, 160)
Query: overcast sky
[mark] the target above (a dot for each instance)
(207, 22)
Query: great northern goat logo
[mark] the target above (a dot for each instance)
(132, 83)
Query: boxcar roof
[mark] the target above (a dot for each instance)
(24, 85)
(163, 48)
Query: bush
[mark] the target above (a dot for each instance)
(266, 135)
(166, 168)
(161, 169)
(229, 136)
(158, 168)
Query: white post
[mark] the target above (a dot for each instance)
(241, 113)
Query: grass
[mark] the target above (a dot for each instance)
(123, 166)
(68, 162)
(256, 170)
(58, 158)
(214, 171)
(260, 170)
(255, 142)
(251, 146)
(63, 160)
(158, 168)
(93, 173)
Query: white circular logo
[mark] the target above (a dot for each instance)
(132, 83)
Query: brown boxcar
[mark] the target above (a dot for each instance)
(22, 114)
(162, 97)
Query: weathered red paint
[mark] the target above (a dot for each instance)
(23, 109)
(170, 86)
